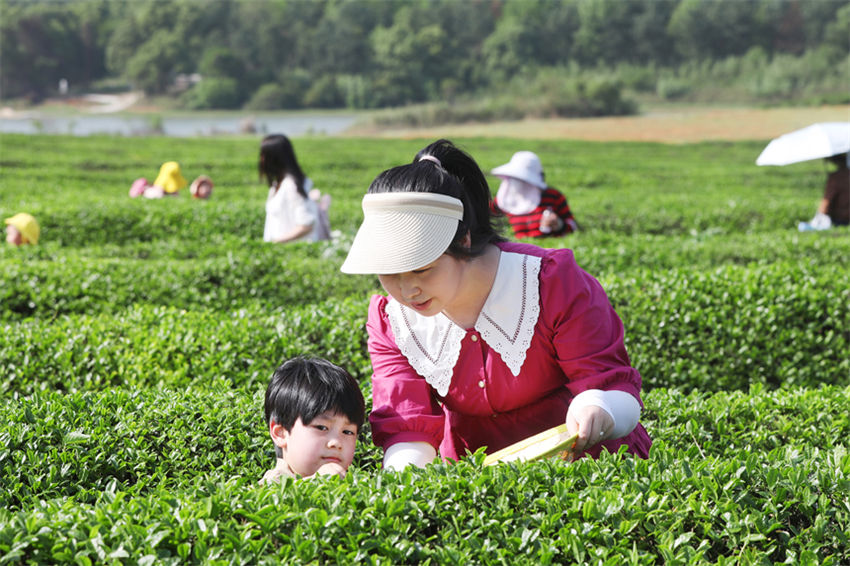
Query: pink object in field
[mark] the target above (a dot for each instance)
(138, 187)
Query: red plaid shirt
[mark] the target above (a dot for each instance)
(528, 225)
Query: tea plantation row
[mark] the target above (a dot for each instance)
(169, 476)
(137, 338)
(777, 324)
(78, 186)
(47, 282)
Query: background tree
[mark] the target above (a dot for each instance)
(41, 45)
(705, 29)
(374, 53)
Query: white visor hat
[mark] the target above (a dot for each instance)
(402, 232)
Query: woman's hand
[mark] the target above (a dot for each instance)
(591, 423)
(550, 222)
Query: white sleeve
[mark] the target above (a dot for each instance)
(400, 455)
(622, 406)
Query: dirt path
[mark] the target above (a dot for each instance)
(108, 103)
(670, 125)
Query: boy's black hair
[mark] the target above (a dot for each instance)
(277, 158)
(305, 387)
(458, 176)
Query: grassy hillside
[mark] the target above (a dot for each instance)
(138, 336)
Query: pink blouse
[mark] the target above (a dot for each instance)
(576, 345)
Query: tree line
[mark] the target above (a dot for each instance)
(281, 54)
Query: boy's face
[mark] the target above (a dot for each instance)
(330, 438)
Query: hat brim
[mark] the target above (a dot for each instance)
(508, 171)
(402, 231)
(398, 242)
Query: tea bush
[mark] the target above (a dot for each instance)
(171, 474)
(137, 338)
(266, 275)
(161, 346)
(776, 324)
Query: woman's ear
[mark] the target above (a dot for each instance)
(278, 433)
(467, 240)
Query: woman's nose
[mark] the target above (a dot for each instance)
(409, 290)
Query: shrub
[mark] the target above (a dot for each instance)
(324, 93)
(213, 93)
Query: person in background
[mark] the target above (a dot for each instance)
(482, 342)
(21, 229)
(201, 187)
(533, 208)
(169, 181)
(314, 411)
(294, 212)
(834, 207)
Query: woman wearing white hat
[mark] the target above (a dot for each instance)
(533, 208)
(482, 342)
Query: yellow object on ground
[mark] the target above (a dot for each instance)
(170, 178)
(26, 225)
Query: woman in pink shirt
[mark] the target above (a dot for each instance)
(482, 342)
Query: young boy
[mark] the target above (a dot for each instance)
(314, 411)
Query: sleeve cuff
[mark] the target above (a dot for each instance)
(623, 408)
(402, 454)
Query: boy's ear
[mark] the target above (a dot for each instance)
(278, 433)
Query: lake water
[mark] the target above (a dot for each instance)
(178, 126)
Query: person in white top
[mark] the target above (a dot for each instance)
(293, 211)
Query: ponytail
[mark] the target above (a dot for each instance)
(443, 168)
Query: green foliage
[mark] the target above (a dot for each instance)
(324, 93)
(376, 54)
(169, 477)
(213, 93)
(273, 96)
(779, 325)
(150, 346)
(138, 337)
(538, 94)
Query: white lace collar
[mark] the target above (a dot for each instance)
(506, 323)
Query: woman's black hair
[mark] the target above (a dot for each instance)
(277, 159)
(305, 387)
(457, 175)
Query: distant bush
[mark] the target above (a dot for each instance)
(324, 93)
(286, 92)
(273, 97)
(213, 93)
(580, 99)
(671, 88)
(544, 94)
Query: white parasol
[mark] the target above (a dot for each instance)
(812, 142)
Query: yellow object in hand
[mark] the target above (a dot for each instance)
(548, 443)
